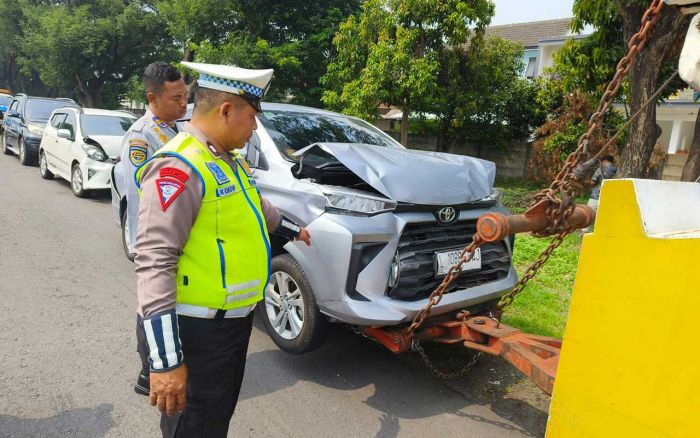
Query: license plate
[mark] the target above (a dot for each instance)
(447, 259)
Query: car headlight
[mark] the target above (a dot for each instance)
(94, 152)
(352, 202)
(496, 195)
(35, 129)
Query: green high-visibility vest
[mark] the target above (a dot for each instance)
(225, 263)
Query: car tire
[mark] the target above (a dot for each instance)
(23, 153)
(76, 182)
(125, 232)
(289, 295)
(5, 149)
(44, 166)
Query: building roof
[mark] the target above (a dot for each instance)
(530, 34)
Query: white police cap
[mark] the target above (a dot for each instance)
(235, 80)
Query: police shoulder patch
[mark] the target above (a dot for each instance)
(174, 173)
(159, 122)
(168, 190)
(138, 152)
(244, 164)
(218, 173)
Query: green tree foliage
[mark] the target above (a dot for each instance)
(90, 49)
(482, 98)
(430, 57)
(391, 53)
(11, 18)
(95, 50)
(292, 36)
(191, 22)
(589, 64)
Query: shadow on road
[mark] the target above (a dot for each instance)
(76, 423)
(403, 388)
(98, 196)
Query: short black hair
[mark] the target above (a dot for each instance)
(157, 74)
(608, 158)
(206, 99)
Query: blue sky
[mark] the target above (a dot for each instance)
(520, 11)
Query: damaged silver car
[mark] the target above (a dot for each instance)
(386, 224)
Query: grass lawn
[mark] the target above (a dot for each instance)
(543, 306)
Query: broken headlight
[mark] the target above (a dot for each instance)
(496, 195)
(344, 201)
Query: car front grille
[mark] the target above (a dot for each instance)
(417, 247)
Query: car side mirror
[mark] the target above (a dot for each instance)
(254, 155)
(64, 133)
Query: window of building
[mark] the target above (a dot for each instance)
(530, 69)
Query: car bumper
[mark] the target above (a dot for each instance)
(350, 261)
(118, 193)
(32, 143)
(96, 175)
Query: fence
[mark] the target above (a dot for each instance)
(511, 162)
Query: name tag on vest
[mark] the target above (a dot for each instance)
(225, 191)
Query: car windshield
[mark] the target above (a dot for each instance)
(106, 125)
(39, 110)
(292, 131)
(5, 100)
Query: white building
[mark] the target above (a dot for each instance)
(676, 117)
(540, 39)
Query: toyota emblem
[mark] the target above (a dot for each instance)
(447, 215)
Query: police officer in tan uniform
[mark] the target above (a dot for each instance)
(203, 254)
(167, 102)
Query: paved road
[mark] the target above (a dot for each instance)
(67, 300)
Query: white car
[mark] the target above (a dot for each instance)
(82, 145)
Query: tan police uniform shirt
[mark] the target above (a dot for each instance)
(140, 142)
(163, 229)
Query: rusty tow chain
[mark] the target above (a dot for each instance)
(560, 195)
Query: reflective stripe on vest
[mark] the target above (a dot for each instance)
(225, 263)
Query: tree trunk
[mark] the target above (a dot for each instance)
(188, 54)
(95, 91)
(10, 73)
(691, 171)
(443, 143)
(404, 123)
(644, 131)
(644, 79)
(92, 94)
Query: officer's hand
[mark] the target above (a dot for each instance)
(304, 236)
(168, 390)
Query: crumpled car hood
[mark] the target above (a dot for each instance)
(416, 177)
(110, 143)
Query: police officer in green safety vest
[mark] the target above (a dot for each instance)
(203, 254)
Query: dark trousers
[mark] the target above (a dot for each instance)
(215, 354)
(142, 344)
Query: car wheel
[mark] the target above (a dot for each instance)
(44, 166)
(76, 182)
(125, 237)
(5, 149)
(23, 153)
(289, 311)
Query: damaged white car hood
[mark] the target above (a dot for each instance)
(417, 177)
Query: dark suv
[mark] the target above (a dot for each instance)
(23, 125)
